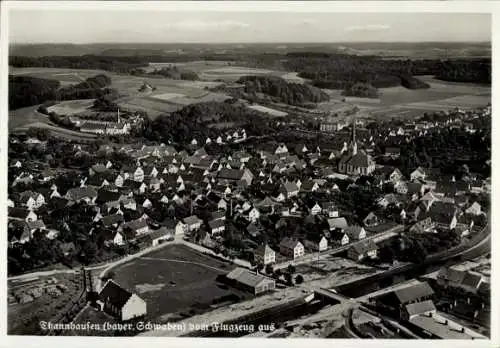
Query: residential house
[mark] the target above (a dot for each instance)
(355, 232)
(138, 227)
(289, 189)
(309, 186)
(81, 194)
(235, 175)
(112, 221)
(216, 226)
(362, 250)
(424, 226)
(474, 209)
(315, 208)
(337, 224)
(138, 174)
(264, 254)
(121, 303)
(193, 223)
(418, 174)
(31, 227)
(371, 220)
(340, 238)
(291, 247)
(281, 149)
(253, 214)
(161, 235)
(180, 228)
(316, 242)
(330, 209)
(401, 187)
(32, 200)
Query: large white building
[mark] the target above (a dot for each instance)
(107, 128)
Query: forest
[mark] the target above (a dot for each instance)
(339, 71)
(170, 72)
(27, 91)
(448, 151)
(283, 91)
(193, 121)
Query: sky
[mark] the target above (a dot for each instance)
(121, 26)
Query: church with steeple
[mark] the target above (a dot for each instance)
(354, 161)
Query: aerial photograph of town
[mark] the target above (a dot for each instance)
(249, 174)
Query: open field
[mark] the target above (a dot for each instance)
(71, 107)
(65, 76)
(20, 118)
(174, 279)
(171, 95)
(196, 65)
(400, 102)
(185, 92)
(272, 112)
(25, 118)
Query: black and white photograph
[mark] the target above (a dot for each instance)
(212, 170)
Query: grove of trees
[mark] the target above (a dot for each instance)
(27, 91)
(283, 91)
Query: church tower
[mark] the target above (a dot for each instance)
(354, 145)
(118, 116)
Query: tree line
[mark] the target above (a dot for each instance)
(339, 71)
(170, 72)
(27, 90)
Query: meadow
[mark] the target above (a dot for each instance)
(174, 279)
(271, 112)
(400, 102)
(171, 95)
(71, 107)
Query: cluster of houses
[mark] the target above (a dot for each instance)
(160, 177)
(414, 305)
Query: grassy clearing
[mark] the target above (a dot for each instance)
(174, 279)
(71, 107)
(271, 112)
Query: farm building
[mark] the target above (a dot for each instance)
(250, 281)
(397, 300)
(120, 303)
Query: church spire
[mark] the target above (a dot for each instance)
(354, 145)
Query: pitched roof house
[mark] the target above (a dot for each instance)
(121, 303)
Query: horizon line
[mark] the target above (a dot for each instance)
(243, 42)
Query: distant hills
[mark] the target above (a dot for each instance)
(397, 49)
